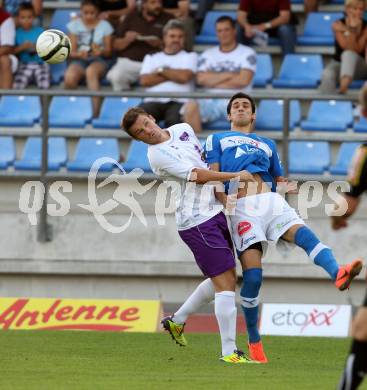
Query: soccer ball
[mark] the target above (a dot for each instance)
(53, 46)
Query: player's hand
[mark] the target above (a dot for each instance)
(246, 176)
(338, 222)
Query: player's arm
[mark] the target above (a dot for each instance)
(202, 176)
(237, 80)
(181, 76)
(212, 79)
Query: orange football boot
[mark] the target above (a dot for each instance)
(347, 273)
(257, 353)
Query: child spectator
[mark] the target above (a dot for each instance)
(31, 66)
(91, 40)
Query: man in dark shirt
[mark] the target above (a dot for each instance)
(272, 17)
(139, 34)
(356, 364)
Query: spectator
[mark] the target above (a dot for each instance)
(31, 66)
(91, 40)
(204, 6)
(348, 63)
(311, 6)
(139, 34)
(229, 67)
(271, 16)
(8, 62)
(171, 70)
(115, 10)
(180, 9)
(12, 6)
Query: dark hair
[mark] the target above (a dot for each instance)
(130, 118)
(241, 95)
(25, 7)
(95, 3)
(226, 18)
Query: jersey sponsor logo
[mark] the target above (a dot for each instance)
(249, 239)
(184, 136)
(280, 226)
(243, 227)
(230, 142)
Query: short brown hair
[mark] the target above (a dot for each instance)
(241, 95)
(130, 118)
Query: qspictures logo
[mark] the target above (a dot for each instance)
(77, 314)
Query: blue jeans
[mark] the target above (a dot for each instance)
(286, 33)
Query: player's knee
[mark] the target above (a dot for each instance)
(252, 280)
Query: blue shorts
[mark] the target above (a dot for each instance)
(211, 244)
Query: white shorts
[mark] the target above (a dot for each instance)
(14, 63)
(262, 218)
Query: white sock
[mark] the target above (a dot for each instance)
(226, 313)
(204, 293)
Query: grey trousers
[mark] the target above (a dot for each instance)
(352, 64)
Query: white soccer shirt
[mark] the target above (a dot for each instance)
(173, 161)
(180, 60)
(215, 60)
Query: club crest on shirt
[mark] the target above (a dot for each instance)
(184, 136)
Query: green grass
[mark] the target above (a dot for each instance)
(92, 360)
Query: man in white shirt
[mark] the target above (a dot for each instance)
(229, 67)
(8, 62)
(175, 155)
(171, 70)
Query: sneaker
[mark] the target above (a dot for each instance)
(347, 273)
(237, 357)
(257, 353)
(175, 330)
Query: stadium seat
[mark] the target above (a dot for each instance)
(207, 34)
(32, 154)
(361, 125)
(344, 158)
(22, 111)
(300, 153)
(270, 115)
(61, 17)
(90, 149)
(264, 70)
(70, 111)
(220, 125)
(318, 30)
(7, 151)
(299, 71)
(112, 110)
(137, 157)
(329, 116)
(57, 72)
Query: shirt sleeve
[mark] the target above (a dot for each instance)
(72, 26)
(357, 176)
(202, 65)
(147, 66)
(275, 168)
(107, 28)
(7, 32)
(164, 161)
(212, 149)
(249, 60)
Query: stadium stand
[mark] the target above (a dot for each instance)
(300, 161)
(270, 115)
(329, 116)
(344, 158)
(264, 71)
(137, 157)
(32, 153)
(57, 72)
(7, 151)
(361, 125)
(111, 112)
(207, 34)
(90, 149)
(78, 109)
(22, 111)
(61, 18)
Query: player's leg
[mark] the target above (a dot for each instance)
(356, 364)
(93, 75)
(322, 255)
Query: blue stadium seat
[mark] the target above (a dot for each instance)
(361, 125)
(22, 111)
(57, 72)
(112, 110)
(32, 154)
(318, 30)
(70, 111)
(90, 149)
(299, 71)
(264, 70)
(357, 84)
(207, 34)
(270, 115)
(220, 125)
(7, 151)
(300, 161)
(344, 159)
(137, 157)
(329, 116)
(61, 17)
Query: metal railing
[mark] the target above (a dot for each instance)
(44, 230)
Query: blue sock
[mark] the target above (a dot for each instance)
(252, 279)
(318, 252)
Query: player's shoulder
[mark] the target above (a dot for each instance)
(210, 52)
(245, 49)
(179, 128)
(270, 142)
